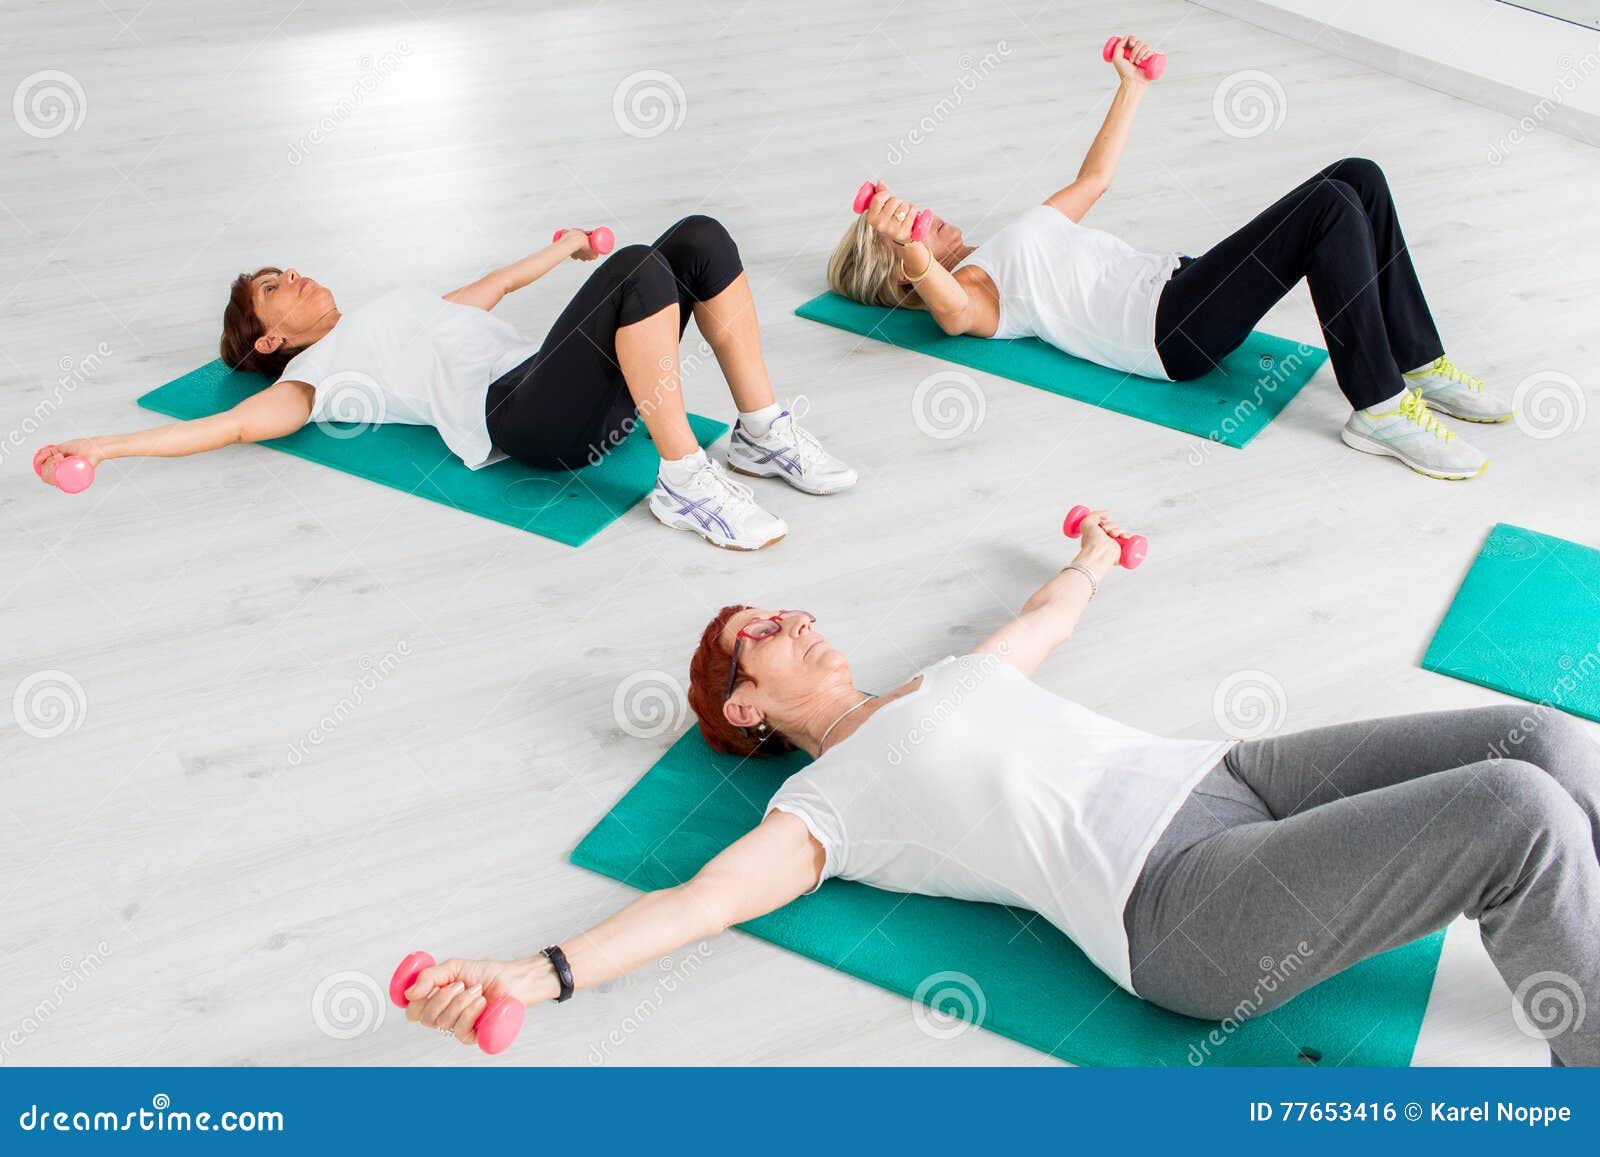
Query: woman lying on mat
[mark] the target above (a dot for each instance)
(610, 359)
(1162, 316)
(1176, 865)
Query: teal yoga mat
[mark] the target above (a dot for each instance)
(569, 506)
(1230, 406)
(1526, 621)
(1005, 969)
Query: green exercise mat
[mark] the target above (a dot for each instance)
(1003, 968)
(1526, 621)
(1231, 405)
(569, 506)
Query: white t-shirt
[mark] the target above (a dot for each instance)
(413, 358)
(982, 785)
(1081, 290)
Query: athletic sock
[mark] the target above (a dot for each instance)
(1388, 404)
(677, 472)
(758, 422)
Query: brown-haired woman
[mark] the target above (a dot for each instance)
(1176, 865)
(610, 359)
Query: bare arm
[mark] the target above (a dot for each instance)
(957, 305)
(1100, 163)
(487, 291)
(760, 872)
(280, 409)
(1051, 613)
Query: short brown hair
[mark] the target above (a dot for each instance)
(708, 679)
(241, 327)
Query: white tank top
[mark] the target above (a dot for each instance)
(413, 358)
(982, 785)
(1082, 290)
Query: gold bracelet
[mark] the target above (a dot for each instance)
(920, 276)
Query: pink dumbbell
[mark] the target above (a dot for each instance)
(601, 239)
(1155, 64)
(919, 223)
(72, 474)
(1134, 547)
(496, 1028)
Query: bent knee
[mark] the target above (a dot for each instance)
(1362, 172)
(1541, 813)
(701, 232)
(642, 265)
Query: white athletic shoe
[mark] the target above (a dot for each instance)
(718, 509)
(1450, 390)
(1413, 435)
(790, 452)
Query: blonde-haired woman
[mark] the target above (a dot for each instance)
(1159, 315)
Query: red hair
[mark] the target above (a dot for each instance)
(708, 679)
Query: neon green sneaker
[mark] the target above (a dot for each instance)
(1449, 389)
(1412, 434)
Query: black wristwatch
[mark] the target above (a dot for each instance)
(558, 961)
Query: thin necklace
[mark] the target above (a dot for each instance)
(823, 742)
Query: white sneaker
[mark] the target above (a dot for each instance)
(790, 452)
(1450, 390)
(718, 509)
(1413, 435)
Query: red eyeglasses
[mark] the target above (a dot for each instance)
(755, 631)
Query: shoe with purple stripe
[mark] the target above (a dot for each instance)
(718, 509)
(789, 452)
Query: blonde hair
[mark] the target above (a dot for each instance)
(865, 268)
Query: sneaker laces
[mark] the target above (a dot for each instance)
(1445, 368)
(807, 449)
(1415, 410)
(735, 494)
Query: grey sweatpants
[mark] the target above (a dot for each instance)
(1299, 855)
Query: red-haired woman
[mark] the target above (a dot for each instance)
(609, 360)
(1176, 865)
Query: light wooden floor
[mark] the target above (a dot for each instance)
(174, 888)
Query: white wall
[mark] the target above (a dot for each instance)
(1543, 71)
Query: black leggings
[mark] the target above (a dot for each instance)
(568, 403)
(1339, 230)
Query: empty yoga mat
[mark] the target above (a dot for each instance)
(565, 505)
(1526, 621)
(1230, 406)
(1003, 968)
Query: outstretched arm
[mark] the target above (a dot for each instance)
(1051, 613)
(280, 409)
(487, 291)
(760, 872)
(1100, 163)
